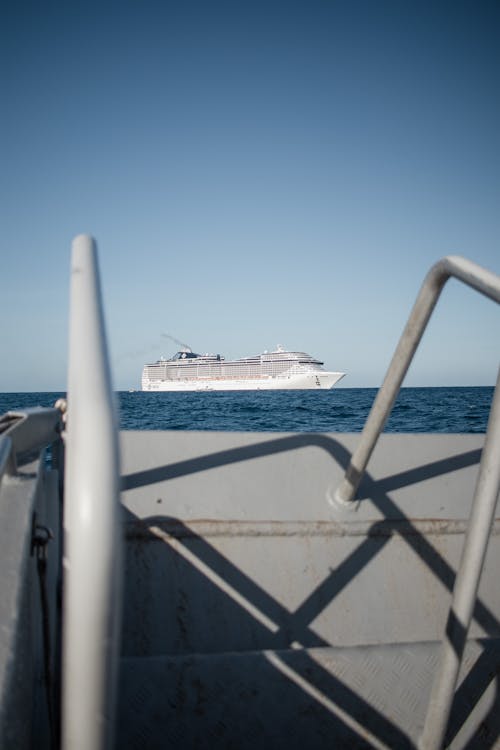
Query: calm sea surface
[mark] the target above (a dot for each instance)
(338, 410)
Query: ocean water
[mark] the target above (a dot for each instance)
(337, 410)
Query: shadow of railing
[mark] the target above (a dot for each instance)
(483, 678)
(236, 455)
(248, 607)
(240, 605)
(376, 490)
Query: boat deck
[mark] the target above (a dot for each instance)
(246, 588)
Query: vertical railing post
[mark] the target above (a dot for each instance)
(92, 522)
(466, 583)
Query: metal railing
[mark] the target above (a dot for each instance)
(466, 583)
(26, 430)
(92, 515)
(92, 520)
(470, 273)
(485, 495)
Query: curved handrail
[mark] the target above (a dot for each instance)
(92, 553)
(484, 281)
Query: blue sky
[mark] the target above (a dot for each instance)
(255, 173)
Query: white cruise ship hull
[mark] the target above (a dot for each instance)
(298, 382)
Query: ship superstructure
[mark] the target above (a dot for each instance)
(275, 370)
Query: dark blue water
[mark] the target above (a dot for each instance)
(338, 410)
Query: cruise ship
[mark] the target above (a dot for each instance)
(276, 370)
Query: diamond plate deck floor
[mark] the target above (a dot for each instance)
(360, 697)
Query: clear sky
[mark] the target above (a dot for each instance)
(255, 173)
